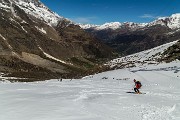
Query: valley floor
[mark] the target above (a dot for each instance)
(98, 97)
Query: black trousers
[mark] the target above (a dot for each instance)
(136, 90)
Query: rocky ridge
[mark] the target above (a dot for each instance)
(36, 43)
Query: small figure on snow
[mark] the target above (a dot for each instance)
(60, 79)
(137, 86)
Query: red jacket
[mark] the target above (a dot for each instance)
(138, 84)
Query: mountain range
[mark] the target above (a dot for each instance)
(38, 44)
(172, 22)
(128, 38)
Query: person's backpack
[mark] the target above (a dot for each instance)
(138, 84)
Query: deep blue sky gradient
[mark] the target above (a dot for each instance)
(102, 11)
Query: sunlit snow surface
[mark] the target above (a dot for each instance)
(97, 97)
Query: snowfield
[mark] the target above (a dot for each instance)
(97, 97)
(101, 96)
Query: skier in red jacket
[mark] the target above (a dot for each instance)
(137, 86)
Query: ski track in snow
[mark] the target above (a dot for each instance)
(97, 97)
(165, 93)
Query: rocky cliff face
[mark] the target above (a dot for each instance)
(39, 44)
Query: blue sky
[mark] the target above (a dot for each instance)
(102, 11)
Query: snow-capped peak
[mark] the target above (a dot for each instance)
(34, 8)
(172, 22)
(111, 25)
(114, 25)
(87, 26)
(133, 25)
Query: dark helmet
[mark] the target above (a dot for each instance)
(134, 80)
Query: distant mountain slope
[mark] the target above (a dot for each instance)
(172, 53)
(38, 43)
(172, 22)
(151, 56)
(114, 26)
(129, 37)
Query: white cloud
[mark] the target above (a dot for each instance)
(83, 20)
(148, 16)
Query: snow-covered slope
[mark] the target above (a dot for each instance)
(97, 97)
(142, 58)
(32, 7)
(103, 96)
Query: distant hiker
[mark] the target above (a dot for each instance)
(137, 86)
(60, 79)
